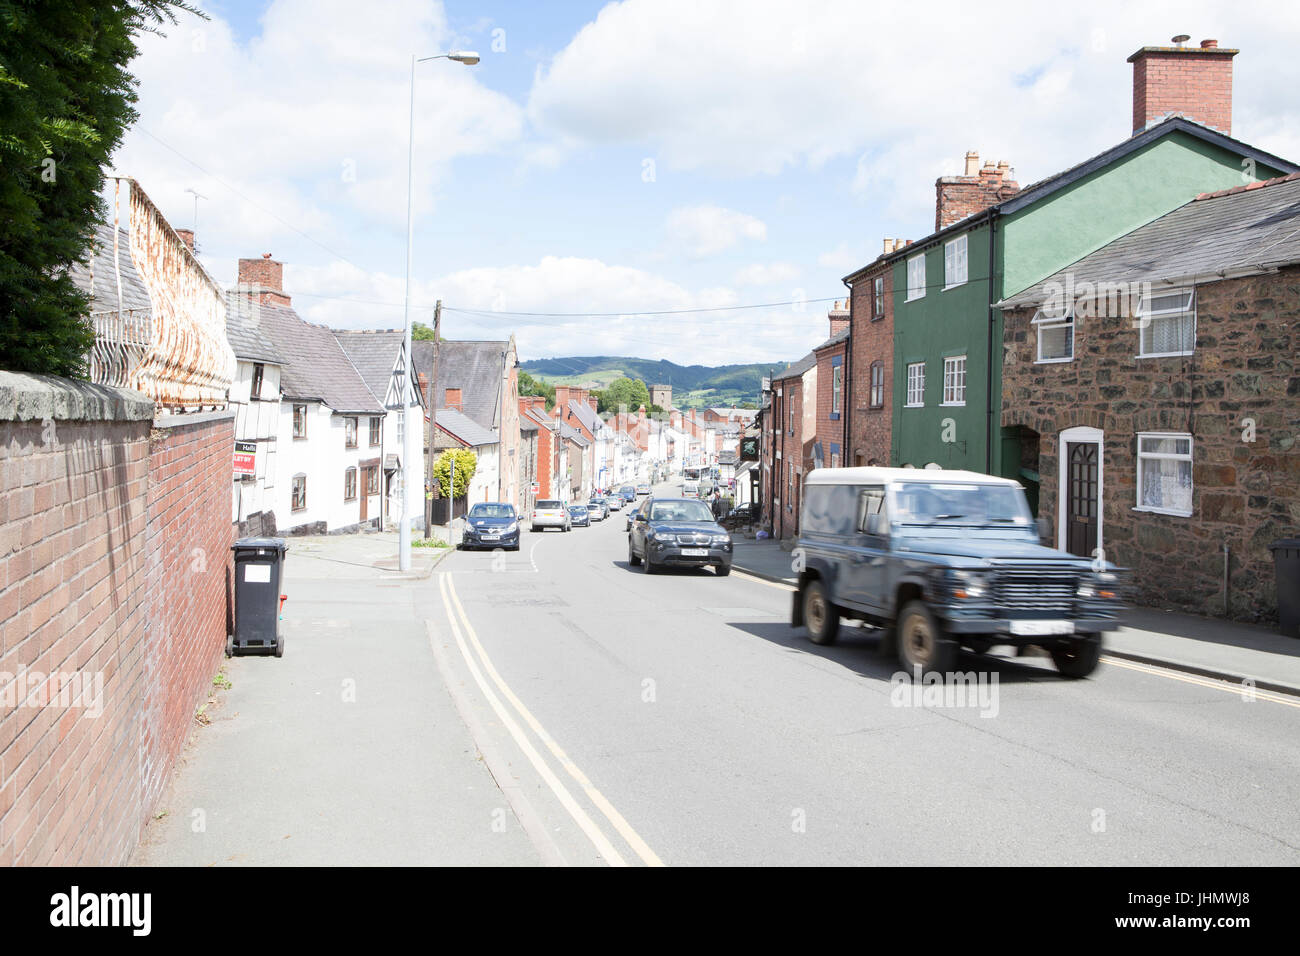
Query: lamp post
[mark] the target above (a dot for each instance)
(404, 528)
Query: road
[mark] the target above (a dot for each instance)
(676, 718)
(554, 706)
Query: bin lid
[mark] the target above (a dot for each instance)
(254, 544)
(1285, 543)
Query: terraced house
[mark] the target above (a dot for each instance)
(993, 239)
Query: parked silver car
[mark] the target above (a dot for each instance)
(551, 513)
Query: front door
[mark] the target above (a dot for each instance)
(368, 482)
(1082, 505)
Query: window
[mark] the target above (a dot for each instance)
(1166, 324)
(349, 484)
(789, 486)
(916, 385)
(300, 421)
(877, 385)
(1165, 473)
(376, 431)
(916, 277)
(350, 432)
(878, 298)
(1055, 337)
(871, 511)
(837, 387)
(299, 493)
(372, 481)
(791, 418)
(255, 392)
(954, 263)
(954, 380)
(401, 428)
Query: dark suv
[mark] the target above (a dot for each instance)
(677, 532)
(943, 560)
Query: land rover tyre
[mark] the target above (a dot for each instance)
(1079, 658)
(922, 645)
(632, 560)
(820, 616)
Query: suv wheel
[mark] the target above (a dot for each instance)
(922, 645)
(820, 616)
(1078, 658)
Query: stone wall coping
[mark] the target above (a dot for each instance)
(181, 420)
(25, 397)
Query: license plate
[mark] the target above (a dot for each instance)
(1042, 627)
(695, 552)
(489, 537)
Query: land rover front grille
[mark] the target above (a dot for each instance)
(1036, 590)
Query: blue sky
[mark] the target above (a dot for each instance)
(646, 155)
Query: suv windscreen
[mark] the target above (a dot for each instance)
(680, 511)
(934, 503)
(492, 511)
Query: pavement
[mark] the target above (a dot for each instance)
(1209, 647)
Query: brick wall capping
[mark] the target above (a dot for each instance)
(26, 397)
(198, 418)
(1184, 51)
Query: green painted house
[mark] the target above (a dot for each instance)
(947, 335)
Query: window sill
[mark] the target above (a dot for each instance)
(919, 405)
(1156, 355)
(299, 437)
(1163, 511)
(876, 408)
(952, 404)
(913, 298)
(1053, 361)
(955, 285)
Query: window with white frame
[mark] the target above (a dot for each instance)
(1055, 336)
(1165, 473)
(350, 432)
(916, 277)
(878, 298)
(300, 421)
(954, 263)
(916, 385)
(954, 380)
(1166, 323)
(877, 385)
(837, 386)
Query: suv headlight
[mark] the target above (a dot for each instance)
(969, 584)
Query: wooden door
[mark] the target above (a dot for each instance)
(1082, 504)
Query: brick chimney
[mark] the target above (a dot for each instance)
(263, 277)
(957, 197)
(187, 237)
(1194, 82)
(839, 316)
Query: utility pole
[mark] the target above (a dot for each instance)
(433, 418)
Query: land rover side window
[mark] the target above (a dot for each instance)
(872, 518)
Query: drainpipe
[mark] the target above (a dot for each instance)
(988, 379)
(1227, 563)
(846, 401)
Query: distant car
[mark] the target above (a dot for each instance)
(628, 493)
(598, 508)
(690, 488)
(579, 516)
(643, 489)
(677, 532)
(491, 525)
(615, 502)
(551, 513)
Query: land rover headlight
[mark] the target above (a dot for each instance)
(1103, 585)
(969, 584)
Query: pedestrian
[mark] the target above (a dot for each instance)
(717, 505)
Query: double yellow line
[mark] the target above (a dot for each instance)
(466, 638)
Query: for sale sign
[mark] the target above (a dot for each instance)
(245, 458)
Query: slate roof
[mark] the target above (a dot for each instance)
(466, 429)
(796, 369)
(836, 339)
(243, 332)
(374, 353)
(135, 295)
(318, 369)
(1248, 229)
(476, 368)
(584, 413)
(573, 435)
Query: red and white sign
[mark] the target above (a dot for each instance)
(245, 458)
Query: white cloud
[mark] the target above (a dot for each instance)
(707, 230)
(767, 273)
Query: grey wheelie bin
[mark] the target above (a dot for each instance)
(1286, 565)
(259, 564)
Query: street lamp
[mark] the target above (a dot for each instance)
(469, 58)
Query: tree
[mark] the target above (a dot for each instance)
(536, 386)
(466, 463)
(66, 99)
(631, 392)
(422, 333)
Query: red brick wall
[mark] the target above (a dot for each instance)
(189, 566)
(791, 445)
(266, 276)
(1192, 81)
(830, 431)
(92, 582)
(872, 340)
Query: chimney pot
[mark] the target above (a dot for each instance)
(972, 162)
(1209, 44)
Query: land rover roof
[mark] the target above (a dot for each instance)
(880, 476)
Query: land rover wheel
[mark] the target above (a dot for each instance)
(1079, 658)
(820, 616)
(922, 646)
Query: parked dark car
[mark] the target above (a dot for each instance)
(677, 532)
(579, 517)
(741, 517)
(944, 560)
(491, 525)
(628, 493)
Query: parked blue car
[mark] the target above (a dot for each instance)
(491, 525)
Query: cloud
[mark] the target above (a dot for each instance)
(707, 230)
(767, 273)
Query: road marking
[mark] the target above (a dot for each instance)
(585, 823)
(1210, 682)
(781, 585)
(633, 839)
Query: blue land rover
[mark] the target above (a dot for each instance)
(943, 560)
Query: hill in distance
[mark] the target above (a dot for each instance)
(694, 386)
